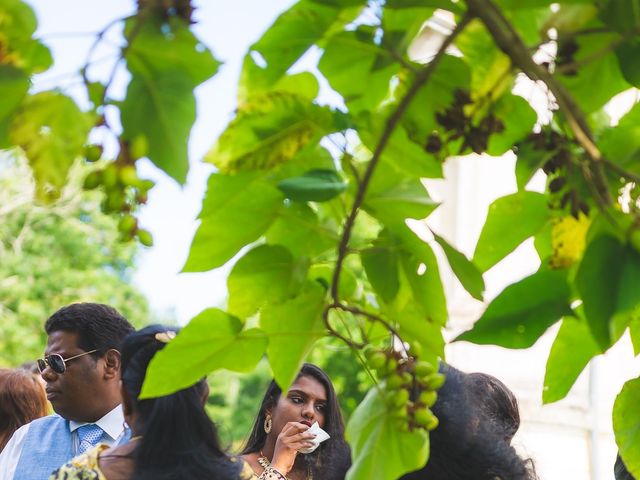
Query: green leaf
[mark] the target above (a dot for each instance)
(522, 4)
(402, 25)
(627, 54)
(424, 280)
(266, 274)
(380, 449)
(523, 311)
(468, 274)
(352, 59)
(166, 65)
(518, 118)
(298, 228)
(14, 84)
(270, 129)
(381, 265)
(52, 131)
(529, 161)
(626, 426)
(571, 351)
(212, 340)
(313, 186)
(599, 79)
(291, 35)
(621, 15)
(235, 212)
(634, 333)
(606, 281)
(510, 221)
(406, 199)
(293, 327)
(621, 144)
(323, 274)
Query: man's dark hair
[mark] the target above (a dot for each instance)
(99, 327)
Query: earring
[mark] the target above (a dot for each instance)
(267, 424)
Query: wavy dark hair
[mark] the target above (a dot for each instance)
(178, 438)
(478, 417)
(332, 458)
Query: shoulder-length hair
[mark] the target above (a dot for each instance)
(332, 459)
(22, 399)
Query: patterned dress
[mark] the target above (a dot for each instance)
(85, 467)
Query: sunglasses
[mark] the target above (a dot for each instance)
(57, 363)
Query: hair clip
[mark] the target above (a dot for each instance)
(165, 337)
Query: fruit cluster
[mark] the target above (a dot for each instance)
(559, 166)
(124, 191)
(410, 387)
(459, 125)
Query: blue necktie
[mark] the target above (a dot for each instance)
(88, 436)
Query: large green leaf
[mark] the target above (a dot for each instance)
(606, 281)
(235, 212)
(627, 427)
(270, 129)
(468, 274)
(292, 34)
(510, 221)
(298, 228)
(621, 144)
(212, 340)
(627, 54)
(571, 351)
(166, 62)
(14, 84)
(522, 312)
(352, 59)
(381, 265)
(379, 448)
(621, 15)
(51, 130)
(293, 327)
(266, 274)
(518, 118)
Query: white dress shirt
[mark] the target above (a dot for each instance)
(112, 424)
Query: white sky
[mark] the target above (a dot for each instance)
(228, 29)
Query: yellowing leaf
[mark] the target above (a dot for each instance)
(568, 236)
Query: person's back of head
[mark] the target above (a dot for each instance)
(478, 416)
(177, 438)
(22, 399)
(620, 471)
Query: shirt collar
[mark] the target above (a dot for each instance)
(112, 423)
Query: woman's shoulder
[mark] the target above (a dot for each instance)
(82, 467)
(246, 472)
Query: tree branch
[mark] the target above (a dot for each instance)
(509, 41)
(421, 78)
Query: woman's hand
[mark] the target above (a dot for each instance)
(292, 438)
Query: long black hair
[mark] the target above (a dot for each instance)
(178, 438)
(478, 417)
(332, 459)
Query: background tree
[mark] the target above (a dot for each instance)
(52, 256)
(315, 198)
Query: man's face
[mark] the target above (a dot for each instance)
(75, 393)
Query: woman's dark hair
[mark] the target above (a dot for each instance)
(178, 438)
(478, 417)
(332, 459)
(22, 399)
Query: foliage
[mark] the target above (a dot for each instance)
(313, 199)
(55, 256)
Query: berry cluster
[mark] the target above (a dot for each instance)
(560, 165)
(455, 121)
(124, 191)
(410, 387)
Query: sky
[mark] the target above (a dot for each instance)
(228, 28)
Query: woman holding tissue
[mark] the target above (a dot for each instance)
(299, 435)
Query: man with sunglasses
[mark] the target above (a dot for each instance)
(81, 369)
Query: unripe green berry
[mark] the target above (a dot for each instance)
(377, 360)
(435, 381)
(145, 238)
(92, 180)
(428, 397)
(394, 381)
(423, 369)
(92, 153)
(127, 225)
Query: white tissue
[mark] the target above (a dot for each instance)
(321, 436)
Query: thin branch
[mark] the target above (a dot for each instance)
(621, 171)
(421, 78)
(509, 41)
(364, 313)
(335, 333)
